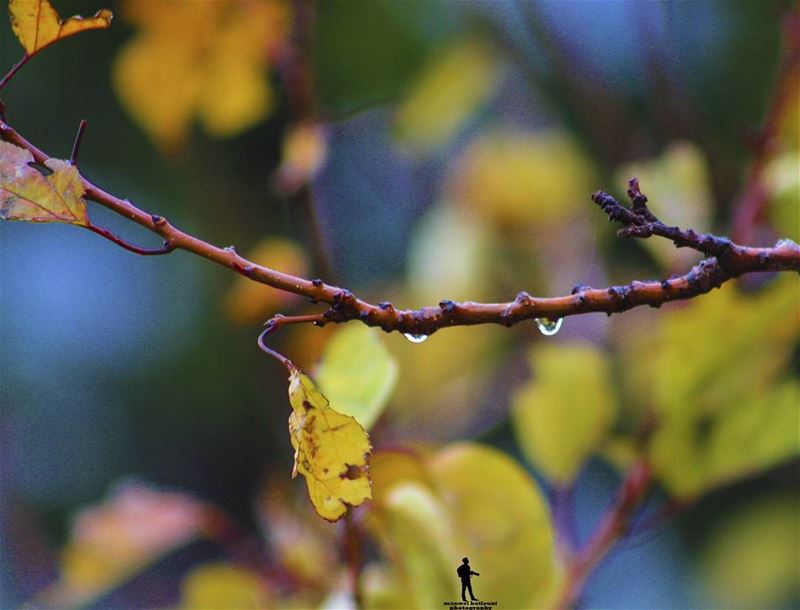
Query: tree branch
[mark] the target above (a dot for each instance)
(726, 260)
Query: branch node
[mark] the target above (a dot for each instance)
(447, 306)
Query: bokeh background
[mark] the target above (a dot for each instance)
(435, 150)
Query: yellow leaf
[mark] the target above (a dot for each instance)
(198, 60)
(221, 585)
(303, 153)
(449, 91)
(563, 414)
(357, 374)
(248, 301)
(36, 23)
(26, 194)
(331, 450)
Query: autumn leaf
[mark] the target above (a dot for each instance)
(36, 23)
(198, 60)
(331, 450)
(26, 194)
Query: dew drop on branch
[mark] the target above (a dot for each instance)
(415, 338)
(547, 326)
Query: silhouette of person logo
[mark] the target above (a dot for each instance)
(465, 573)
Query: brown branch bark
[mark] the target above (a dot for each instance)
(725, 260)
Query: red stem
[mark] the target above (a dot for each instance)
(14, 69)
(166, 249)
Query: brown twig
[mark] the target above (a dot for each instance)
(726, 260)
(353, 554)
(165, 249)
(614, 525)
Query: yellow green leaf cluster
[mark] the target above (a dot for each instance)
(749, 560)
(563, 414)
(331, 450)
(223, 585)
(27, 194)
(357, 374)
(432, 509)
(198, 60)
(715, 373)
(37, 24)
(449, 91)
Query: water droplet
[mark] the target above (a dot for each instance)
(415, 338)
(547, 326)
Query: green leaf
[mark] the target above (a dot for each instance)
(502, 523)
(464, 500)
(357, 374)
(750, 559)
(563, 414)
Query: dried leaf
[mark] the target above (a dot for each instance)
(36, 23)
(26, 194)
(331, 450)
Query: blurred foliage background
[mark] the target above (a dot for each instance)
(145, 458)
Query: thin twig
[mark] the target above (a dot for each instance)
(165, 249)
(614, 525)
(76, 145)
(353, 555)
(726, 260)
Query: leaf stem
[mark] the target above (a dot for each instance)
(14, 69)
